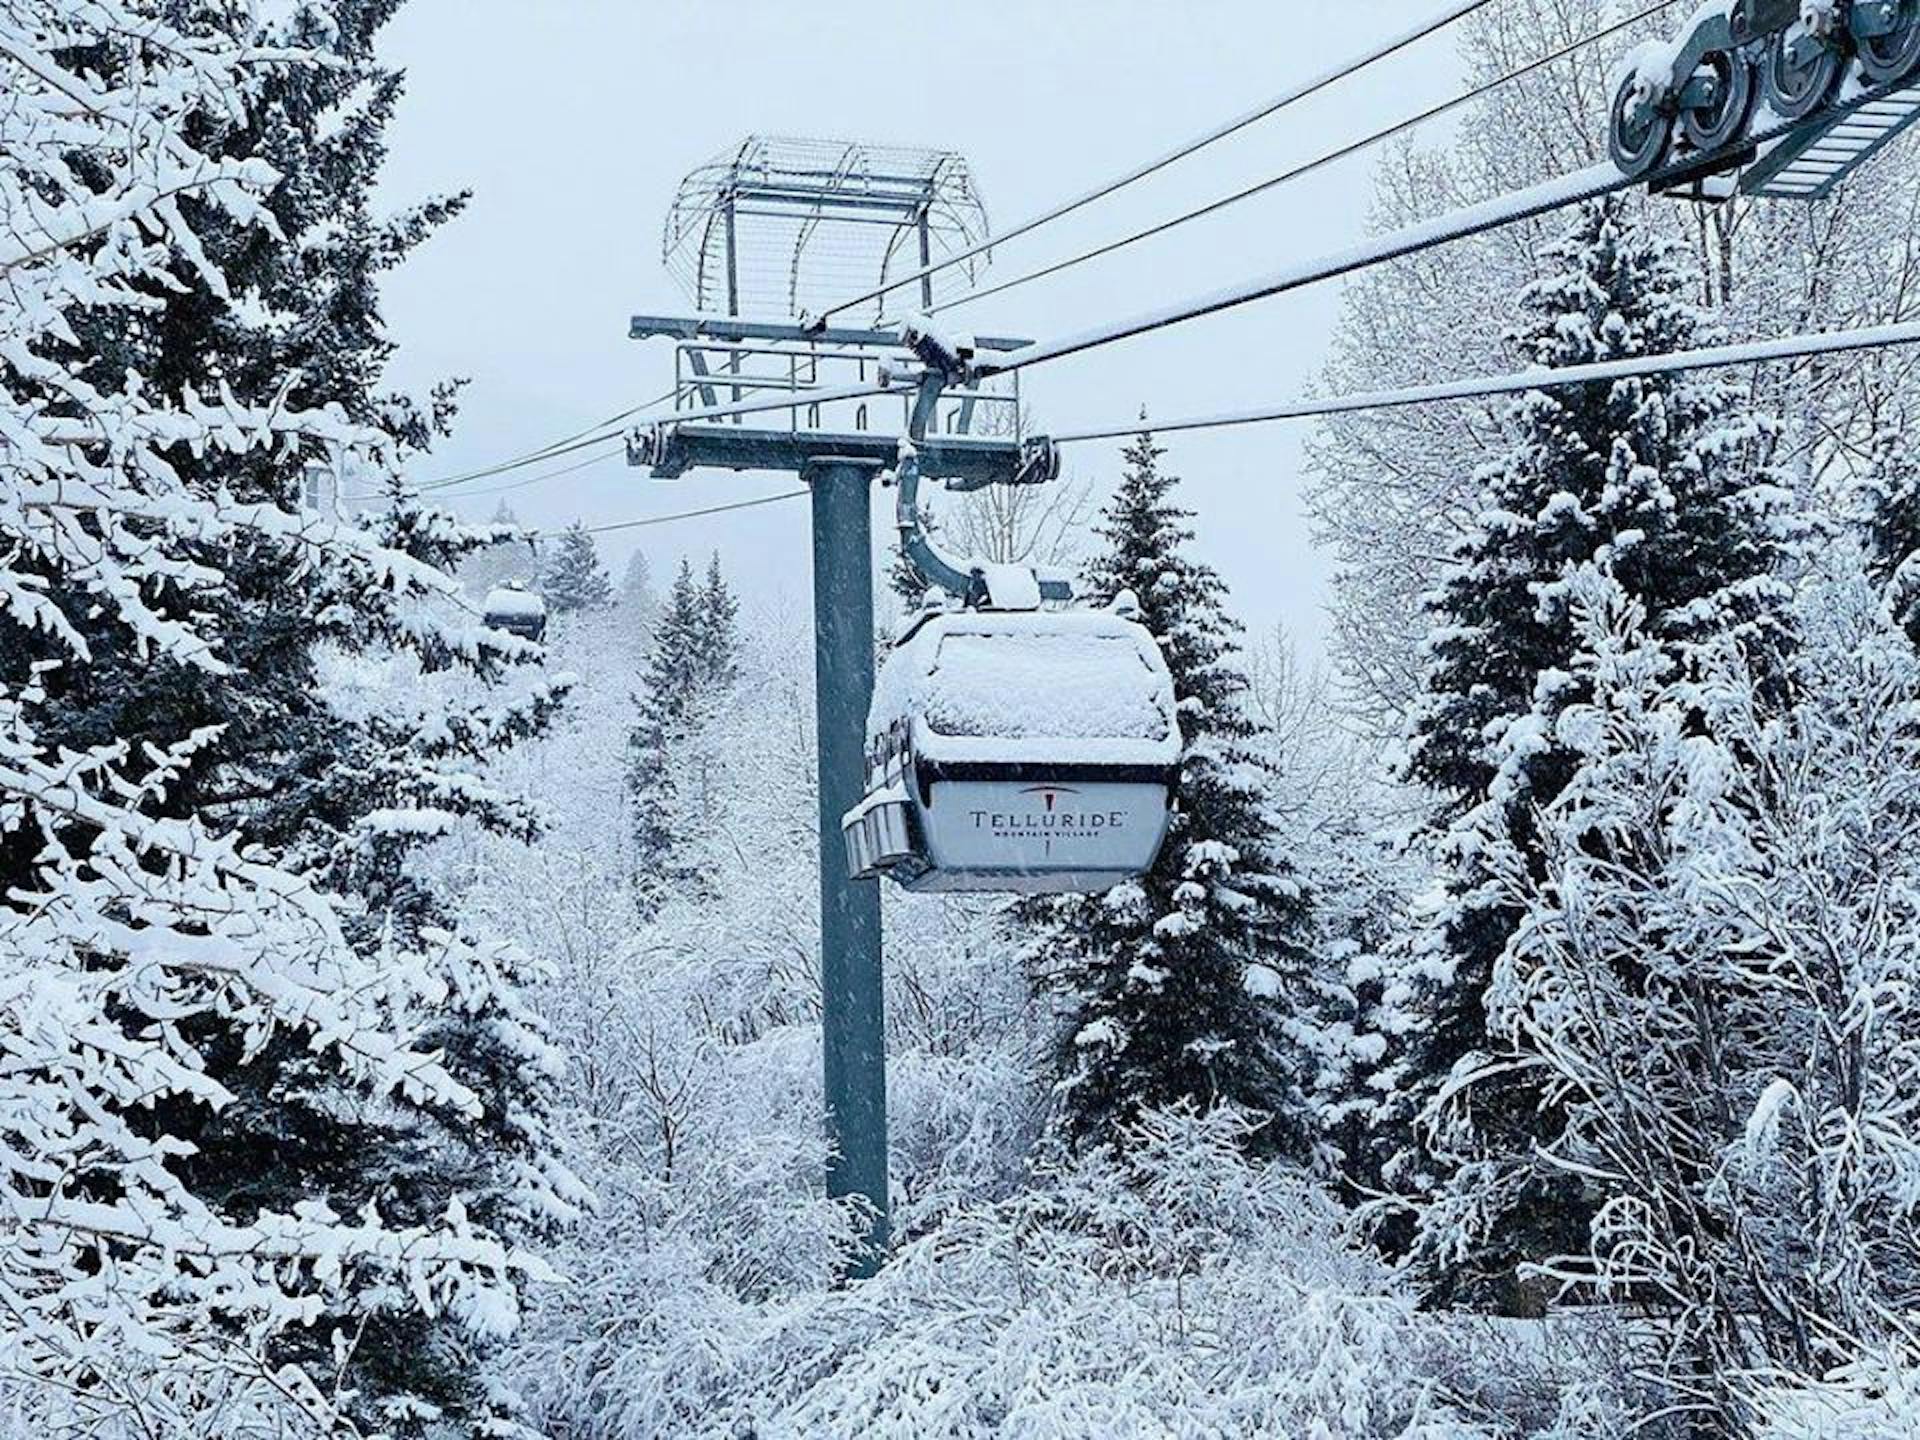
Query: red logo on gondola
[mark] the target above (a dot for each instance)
(1050, 793)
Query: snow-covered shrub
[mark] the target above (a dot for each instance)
(965, 1046)
(710, 1218)
(1717, 985)
(960, 1124)
(1169, 1287)
(1174, 1289)
(1875, 1398)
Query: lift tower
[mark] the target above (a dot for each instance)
(761, 233)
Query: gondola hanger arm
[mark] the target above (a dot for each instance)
(971, 582)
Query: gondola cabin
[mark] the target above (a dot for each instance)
(516, 610)
(1017, 750)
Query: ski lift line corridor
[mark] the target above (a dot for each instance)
(893, 763)
(1832, 342)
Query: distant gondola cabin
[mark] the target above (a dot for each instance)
(516, 610)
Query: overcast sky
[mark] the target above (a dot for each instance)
(573, 121)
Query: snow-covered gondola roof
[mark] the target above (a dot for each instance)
(507, 602)
(1084, 687)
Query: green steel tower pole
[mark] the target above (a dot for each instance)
(839, 467)
(853, 1012)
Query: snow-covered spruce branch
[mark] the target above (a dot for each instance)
(317, 1239)
(65, 230)
(220, 895)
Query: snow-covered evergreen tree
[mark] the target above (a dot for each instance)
(397, 775)
(665, 694)
(284, 1118)
(1345, 822)
(636, 599)
(1181, 986)
(1888, 502)
(1656, 477)
(719, 627)
(691, 666)
(573, 580)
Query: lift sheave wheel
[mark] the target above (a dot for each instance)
(1894, 53)
(1727, 82)
(1639, 133)
(1768, 97)
(1800, 73)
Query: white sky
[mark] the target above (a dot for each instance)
(574, 128)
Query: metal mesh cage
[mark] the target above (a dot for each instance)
(777, 227)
